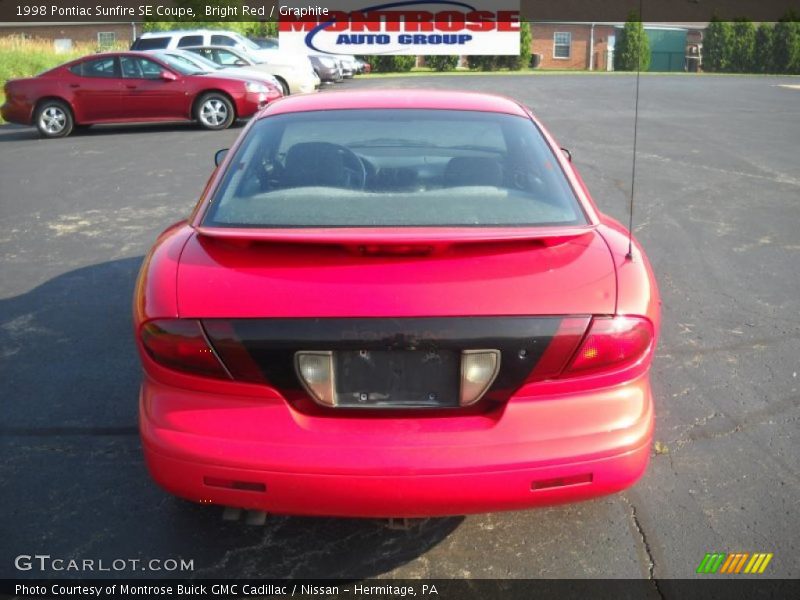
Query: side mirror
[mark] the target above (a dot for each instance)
(168, 75)
(240, 63)
(219, 156)
(567, 154)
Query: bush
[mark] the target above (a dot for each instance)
(404, 63)
(483, 63)
(382, 63)
(717, 42)
(514, 63)
(743, 46)
(739, 47)
(632, 52)
(762, 54)
(786, 44)
(441, 63)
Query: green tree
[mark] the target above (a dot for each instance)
(442, 62)
(786, 44)
(717, 41)
(259, 28)
(632, 50)
(202, 22)
(762, 55)
(523, 60)
(743, 47)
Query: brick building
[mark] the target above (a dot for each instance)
(101, 34)
(590, 46)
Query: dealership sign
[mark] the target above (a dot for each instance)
(401, 27)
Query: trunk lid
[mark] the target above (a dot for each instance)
(415, 272)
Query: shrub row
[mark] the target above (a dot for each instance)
(740, 47)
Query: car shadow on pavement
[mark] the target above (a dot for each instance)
(12, 132)
(72, 456)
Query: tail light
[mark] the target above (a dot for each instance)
(181, 344)
(611, 343)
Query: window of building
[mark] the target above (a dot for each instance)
(106, 39)
(562, 42)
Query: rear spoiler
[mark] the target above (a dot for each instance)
(399, 236)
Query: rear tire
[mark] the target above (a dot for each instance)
(214, 111)
(284, 86)
(54, 119)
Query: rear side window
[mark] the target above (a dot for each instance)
(102, 67)
(222, 40)
(140, 68)
(153, 43)
(394, 168)
(190, 40)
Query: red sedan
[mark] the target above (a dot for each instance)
(126, 87)
(395, 305)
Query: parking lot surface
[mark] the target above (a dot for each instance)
(717, 210)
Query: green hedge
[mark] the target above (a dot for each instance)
(391, 64)
(441, 63)
(513, 63)
(738, 47)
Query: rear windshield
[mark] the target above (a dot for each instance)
(393, 168)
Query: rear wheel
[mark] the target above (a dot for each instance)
(54, 119)
(214, 111)
(284, 86)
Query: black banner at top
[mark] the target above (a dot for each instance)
(668, 11)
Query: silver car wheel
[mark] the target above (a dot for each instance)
(213, 113)
(53, 120)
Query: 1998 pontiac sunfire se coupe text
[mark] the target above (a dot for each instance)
(395, 305)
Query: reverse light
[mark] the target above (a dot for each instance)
(315, 371)
(612, 343)
(182, 345)
(479, 369)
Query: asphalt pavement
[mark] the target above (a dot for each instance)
(717, 209)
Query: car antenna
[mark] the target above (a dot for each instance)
(629, 255)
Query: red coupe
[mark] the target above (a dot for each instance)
(395, 305)
(126, 87)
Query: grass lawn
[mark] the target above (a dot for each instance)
(25, 58)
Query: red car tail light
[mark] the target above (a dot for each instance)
(612, 343)
(561, 349)
(182, 345)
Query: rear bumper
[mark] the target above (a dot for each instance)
(17, 112)
(257, 453)
(305, 86)
(329, 75)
